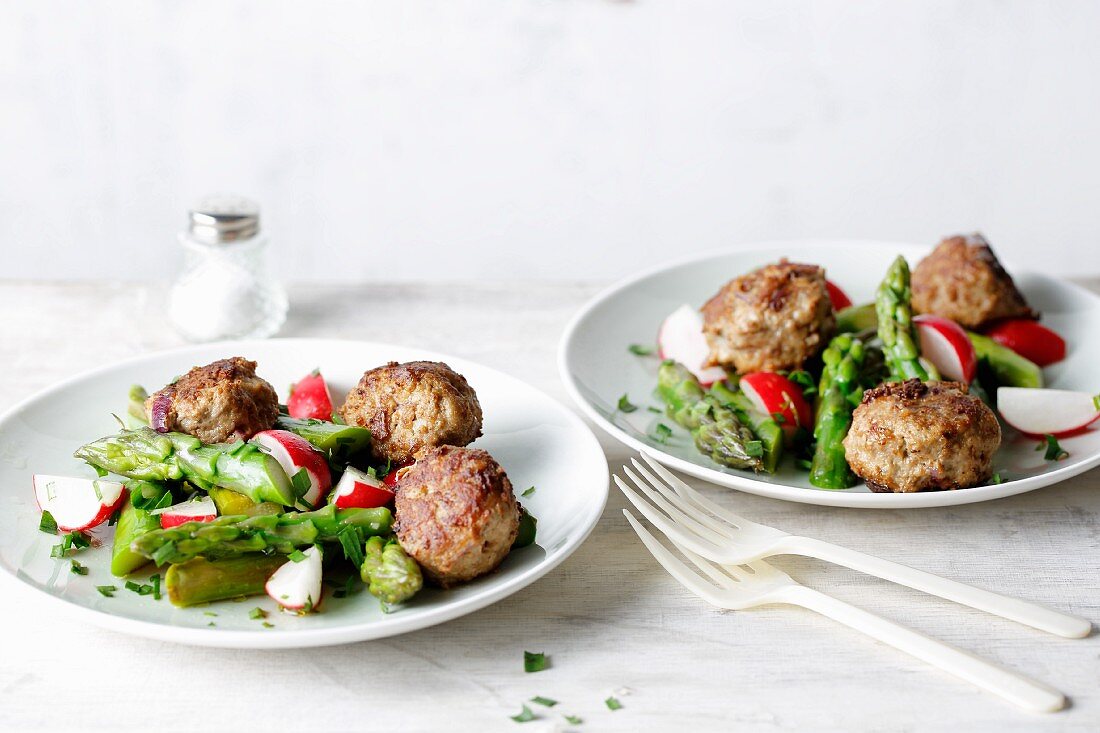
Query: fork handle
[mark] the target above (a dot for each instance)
(1015, 688)
(1025, 612)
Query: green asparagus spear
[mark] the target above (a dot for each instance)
(237, 535)
(856, 318)
(201, 580)
(717, 430)
(151, 456)
(895, 325)
(764, 426)
(390, 574)
(838, 394)
(327, 437)
(133, 522)
(1009, 368)
(528, 525)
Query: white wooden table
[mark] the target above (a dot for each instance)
(609, 617)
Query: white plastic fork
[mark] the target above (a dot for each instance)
(692, 521)
(758, 583)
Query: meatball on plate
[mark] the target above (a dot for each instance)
(847, 373)
(351, 490)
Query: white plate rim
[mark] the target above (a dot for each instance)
(773, 248)
(391, 625)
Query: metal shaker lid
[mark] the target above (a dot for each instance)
(221, 219)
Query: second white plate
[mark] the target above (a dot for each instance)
(598, 368)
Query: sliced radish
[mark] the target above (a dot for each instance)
(310, 398)
(197, 510)
(774, 394)
(390, 479)
(295, 454)
(837, 297)
(944, 343)
(1047, 411)
(357, 489)
(681, 339)
(77, 503)
(297, 585)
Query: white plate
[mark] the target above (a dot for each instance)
(597, 368)
(538, 441)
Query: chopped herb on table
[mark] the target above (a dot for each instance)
(528, 492)
(257, 613)
(535, 661)
(525, 715)
(1054, 451)
(655, 410)
(625, 405)
(544, 701)
(573, 719)
(613, 703)
(639, 350)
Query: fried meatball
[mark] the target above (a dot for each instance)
(770, 319)
(963, 280)
(412, 406)
(456, 513)
(922, 436)
(218, 403)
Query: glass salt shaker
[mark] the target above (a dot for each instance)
(226, 289)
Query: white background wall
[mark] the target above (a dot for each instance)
(544, 138)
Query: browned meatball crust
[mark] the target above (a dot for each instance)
(963, 280)
(221, 402)
(456, 513)
(412, 406)
(922, 436)
(770, 319)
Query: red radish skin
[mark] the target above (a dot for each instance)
(294, 453)
(773, 393)
(1039, 412)
(310, 398)
(390, 479)
(77, 503)
(202, 510)
(837, 297)
(1030, 339)
(359, 490)
(944, 343)
(681, 339)
(296, 586)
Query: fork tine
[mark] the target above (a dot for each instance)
(668, 527)
(676, 497)
(660, 498)
(677, 569)
(701, 501)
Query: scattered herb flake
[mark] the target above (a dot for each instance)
(754, 448)
(1096, 402)
(47, 524)
(534, 661)
(528, 492)
(779, 418)
(142, 589)
(78, 569)
(639, 350)
(661, 433)
(804, 463)
(297, 555)
(655, 410)
(352, 541)
(257, 613)
(156, 586)
(164, 552)
(613, 703)
(268, 625)
(525, 715)
(625, 405)
(804, 380)
(996, 479)
(209, 613)
(544, 701)
(1054, 450)
(107, 591)
(573, 719)
(211, 624)
(300, 482)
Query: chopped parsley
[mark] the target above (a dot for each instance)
(300, 482)
(534, 661)
(156, 586)
(71, 542)
(142, 589)
(528, 492)
(352, 542)
(257, 613)
(661, 433)
(639, 350)
(298, 555)
(625, 405)
(107, 591)
(47, 524)
(78, 569)
(656, 410)
(544, 701)
(573, 719)
(1054, 450)
(524, 716)
(804, 380)
(613, 703)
